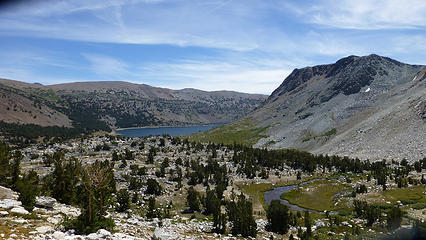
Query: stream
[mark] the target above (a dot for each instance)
(275, 194)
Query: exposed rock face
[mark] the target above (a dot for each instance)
(19, 210)
(7, 193)
(369, 107)
(9, 203)
(44, 229)
(164, 234)
(46, 202)
(421, 108)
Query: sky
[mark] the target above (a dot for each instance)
(239, 45)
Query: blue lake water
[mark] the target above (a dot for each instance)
(172, 131)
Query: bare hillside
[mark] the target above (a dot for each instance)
(369, 107)
(26, 103)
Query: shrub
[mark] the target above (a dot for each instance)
(27, 194)
(81, 225)
(153, 187)
(123, 200)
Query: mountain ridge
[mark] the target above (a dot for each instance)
(121, 104)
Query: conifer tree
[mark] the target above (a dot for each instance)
(123, 200)
(394, 218)
(308, 224)
(278, 217)
(5, 166)
(240, 214)
(192, 199)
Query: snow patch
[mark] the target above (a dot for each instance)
(368, 89)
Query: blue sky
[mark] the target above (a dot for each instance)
(241, 45)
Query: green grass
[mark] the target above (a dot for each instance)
(326, 134)
(255, 191)
(241, 132)
(272, 142)
(410, 194)
(419, 206)
(319, 196)
(48, 95)
(329, 133)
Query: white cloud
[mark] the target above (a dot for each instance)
(212, 76)
(107, 66)
(365, 14)
(233, 25)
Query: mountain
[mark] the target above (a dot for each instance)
(100, 105)
(25, 103)
(370, 107)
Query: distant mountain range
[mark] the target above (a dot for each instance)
(370, 107)
(101, 105)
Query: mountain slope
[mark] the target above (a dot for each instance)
(370, 107)
(29, 103)
(96, 105)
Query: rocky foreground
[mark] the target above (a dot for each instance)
(45, 223)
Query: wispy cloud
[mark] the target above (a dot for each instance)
(252, 77)
(183, 23)
(107, 66)
(365, 14)
(232, 25)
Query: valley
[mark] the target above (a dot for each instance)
(330, 187)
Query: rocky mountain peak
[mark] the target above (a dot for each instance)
(351, 107)
(347, 76)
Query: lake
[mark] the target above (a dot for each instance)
(172, 131)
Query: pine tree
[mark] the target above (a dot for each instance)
(240, 214)
(115, 157)
(192, 199)
(219, 221)
(5, 166)
(151, 208)
(278, 217)
(66, 179)
(98, 185)
(16, 166)
(394, 218)
(308, 224)
(372, 213)
(28, 189)
(211, 202)
(153, 187)
(135, 198)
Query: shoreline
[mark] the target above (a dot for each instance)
(129, 128)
